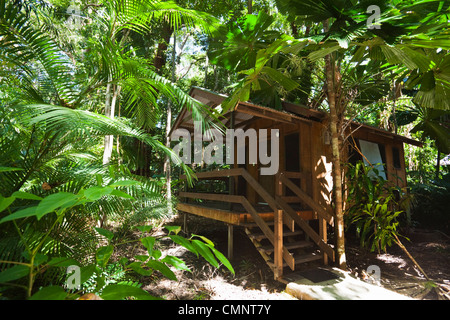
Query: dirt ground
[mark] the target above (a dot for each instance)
(254, 280)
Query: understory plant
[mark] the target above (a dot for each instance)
(40, 271)
(374, 209)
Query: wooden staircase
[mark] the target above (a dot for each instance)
(299, 248)
(287, 240)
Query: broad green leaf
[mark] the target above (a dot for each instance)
(6, 202)
(86, 272)
(173, 229)
(25, 195)
(184, 243)
(222, 259)
(176, 262)
(137, 267)
(124, 183)
(54, 201)
(122, 291)
(62, 262)
(95, 193)
(121, 194)
(14, 273)
(161, 267)
(50, 293)
(156, 254)
(205, 252)
(148, 243)
(142, 257)
(24, 213)
(209, 242)
(106, 233)
(99, 179)
(286, 82)
(103, 254)
(319, 54)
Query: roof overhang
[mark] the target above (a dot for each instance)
(243, 113)
(246, 112)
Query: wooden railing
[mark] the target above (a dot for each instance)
(276, 236)
(283, 178)
(283, 212)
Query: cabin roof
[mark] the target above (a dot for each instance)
(246, 112)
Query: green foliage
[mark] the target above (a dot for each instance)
(100, 275)
(374, 208)
(430, 205)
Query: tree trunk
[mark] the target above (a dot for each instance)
(167, 165)
(333, 101)
(438, 164)
(109, 112)
(108, 139)
(160, 57)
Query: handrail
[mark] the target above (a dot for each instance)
(305, 198)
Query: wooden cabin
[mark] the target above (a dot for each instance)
(288, 215)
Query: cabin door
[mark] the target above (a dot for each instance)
(292, 157)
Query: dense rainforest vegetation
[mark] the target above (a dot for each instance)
(89, 90)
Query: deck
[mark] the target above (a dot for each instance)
(237, 215)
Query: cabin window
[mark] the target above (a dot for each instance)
(375, 154)
(396, 158)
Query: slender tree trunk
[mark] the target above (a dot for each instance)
(108, 139)
(438, 164)
(332, 85)
(110, 107)
(167, 165)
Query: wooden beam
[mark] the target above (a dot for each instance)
(268, 113)
(211, 213)
(216, 174)
(211, 196)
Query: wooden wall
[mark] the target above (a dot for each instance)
(397, 175)
(315, 159)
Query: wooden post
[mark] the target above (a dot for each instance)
(231, 180)
(185, 218)
(278, 235)
(230, 242)
(324, 236)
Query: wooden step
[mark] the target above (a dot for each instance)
(299, 259)
(254, 225)
(290, 246)
(307, 257)
(260, 236)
